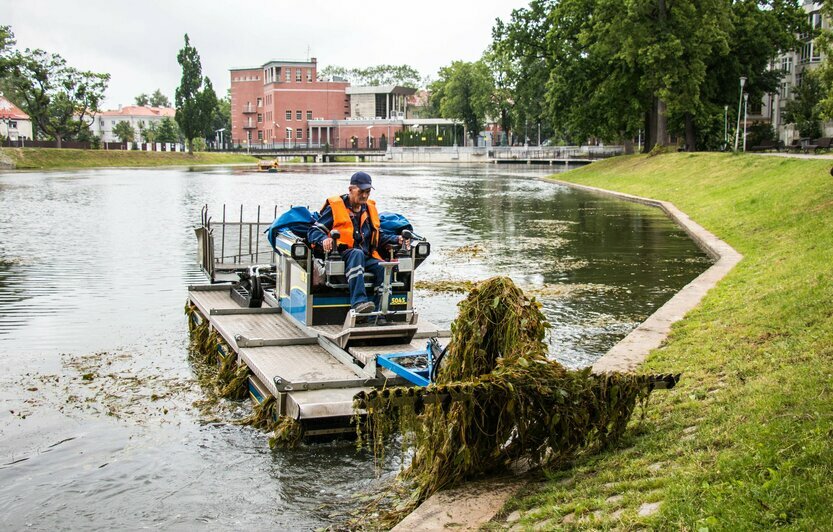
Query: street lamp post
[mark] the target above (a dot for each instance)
(740, 98)
(745, 107)
(725, 125)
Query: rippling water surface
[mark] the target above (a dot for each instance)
(101, 423)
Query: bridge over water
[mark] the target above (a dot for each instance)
(555, 155)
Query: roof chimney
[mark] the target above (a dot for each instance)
(314, 60)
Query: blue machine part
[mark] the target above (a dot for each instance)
(296, 304)
(420, 377)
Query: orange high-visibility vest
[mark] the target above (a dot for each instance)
(344, 224)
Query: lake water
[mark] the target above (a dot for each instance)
(101, 422)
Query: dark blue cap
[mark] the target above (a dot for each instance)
(361, 180)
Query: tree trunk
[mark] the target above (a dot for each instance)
(58, 140)
(628, 143)
(650, 136)
(504, 123)
(690, 133)
(662, 124)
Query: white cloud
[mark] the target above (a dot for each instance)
(137, 42)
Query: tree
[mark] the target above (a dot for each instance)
(194, 105)
(168, 131)
(157, 99)
(124, 131)
(207, 101)
(402, 75)
(464, 91)
(150, 133)
(221, 118)
(804, 110)
(518, 58)
(60, 100)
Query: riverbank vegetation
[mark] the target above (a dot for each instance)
(743, 441)
(45, 158)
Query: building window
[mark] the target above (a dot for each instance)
(288, 114)
(259, 134)
(815, 20)
(260, 102)
(309, 75)
(260, 118)
(12, 124)
(288, 74)
(298, 74)
(299, 133)
(787, 64)
(101, 123)
(309, 115)
(289, 132)
(785, 90)
(299, 115)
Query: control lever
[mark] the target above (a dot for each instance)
(403, 256)
(334, 254)
(334, 263)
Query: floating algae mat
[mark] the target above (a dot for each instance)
(498, 399)
(222, 377)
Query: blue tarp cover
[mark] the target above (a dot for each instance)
(297, 219)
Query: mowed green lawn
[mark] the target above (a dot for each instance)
(44, 158)
(745, 441)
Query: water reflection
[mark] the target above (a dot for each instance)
(94, 267)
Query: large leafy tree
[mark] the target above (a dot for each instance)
(221, 118)
(759, 32)
(464, 91)
(124, 131)
(519, 59)
(615, 67)
(7, 43)
(167, 131)
(402, 75)
(61, 100)
(804, 110)
(157, 99)
(195, 97)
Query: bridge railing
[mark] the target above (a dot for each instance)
(555, 152)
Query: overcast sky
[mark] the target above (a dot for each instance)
(136, 42)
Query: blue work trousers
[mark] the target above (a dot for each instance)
(355, 266)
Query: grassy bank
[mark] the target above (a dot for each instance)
(746, 439)
(37, 158)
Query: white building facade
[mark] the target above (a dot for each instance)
(138, 117)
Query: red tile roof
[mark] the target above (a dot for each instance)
(10, 110)
(135, 110)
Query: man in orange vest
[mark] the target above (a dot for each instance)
(355, 216)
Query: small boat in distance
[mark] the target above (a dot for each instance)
(268, 166)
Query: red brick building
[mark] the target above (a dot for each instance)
(274, 103)
(282, 103)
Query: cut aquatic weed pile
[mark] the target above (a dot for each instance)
(497, 399)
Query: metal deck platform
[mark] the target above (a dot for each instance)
(304, 368)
